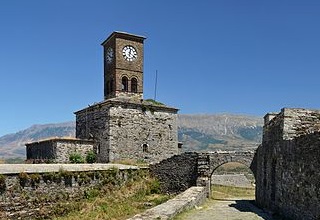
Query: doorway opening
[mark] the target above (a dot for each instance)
(233, 180)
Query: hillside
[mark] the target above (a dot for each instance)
(13, 145)
(197, 132)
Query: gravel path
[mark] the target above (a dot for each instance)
(228, 209)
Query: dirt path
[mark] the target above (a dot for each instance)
(226, 209)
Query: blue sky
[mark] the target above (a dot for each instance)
(235, 56)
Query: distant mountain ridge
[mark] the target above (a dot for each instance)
(196, 132)
(13, 145)
(219, 132)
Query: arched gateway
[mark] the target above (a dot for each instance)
(209, 162)
(182, 171)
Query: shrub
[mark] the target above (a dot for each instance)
(23, 179)
(155, 187)
(91, 157)
(91, 193)
(97, 175)
(35, 179)
(76, 158)
(2, 183)
(154, 102)
(67, 176)
(83, 179)
(48, 177)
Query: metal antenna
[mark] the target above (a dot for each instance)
(155, 86)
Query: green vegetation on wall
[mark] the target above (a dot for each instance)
(114, 198)
(3, 185)
(91, 157)
(76, 158)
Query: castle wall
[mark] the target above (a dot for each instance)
(287, 179)
(38, 193)
(177, 173)
(148, 135)
(93, 123)
(129, 130)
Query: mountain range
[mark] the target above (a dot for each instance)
(206, 132)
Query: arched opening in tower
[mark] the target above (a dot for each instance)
(134, 85)
(124, 86)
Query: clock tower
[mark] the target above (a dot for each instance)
(123, 66)
(123, 126)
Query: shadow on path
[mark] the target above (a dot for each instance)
(249, 206)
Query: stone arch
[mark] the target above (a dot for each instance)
(145, 148)
(217, 159)
(182, 171)
(134, 85)
(209, 162)
(124, 84)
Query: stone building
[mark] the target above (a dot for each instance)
(124, 125)
(287, 175)
(58, 150)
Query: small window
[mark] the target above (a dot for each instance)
(134, 85)
(124, 84)
(145, 148)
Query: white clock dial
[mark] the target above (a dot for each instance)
(129, 53)
(109, 55)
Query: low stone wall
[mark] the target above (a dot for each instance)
(238, 180)
(34, 191)
(177, 173)
(191, 197)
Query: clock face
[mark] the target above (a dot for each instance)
(129, 53)
(109, 55)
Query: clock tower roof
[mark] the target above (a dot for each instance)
(124, 35)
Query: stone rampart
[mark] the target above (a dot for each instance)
(193, 196)
(177, 173)
(34, 191)
(180, 172)
(287, 179)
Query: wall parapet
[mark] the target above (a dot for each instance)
(193, 196)
(45, 168)
(291, 123)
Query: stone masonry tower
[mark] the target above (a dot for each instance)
(124, 125)
(123, 65)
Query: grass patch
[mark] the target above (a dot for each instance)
(132, 162)
(117, 202)
(154, 102)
